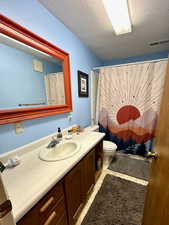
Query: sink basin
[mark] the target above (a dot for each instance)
(60, 152)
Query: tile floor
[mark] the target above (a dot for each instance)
(98, 185)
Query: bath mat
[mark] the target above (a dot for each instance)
(130, 166)
(118, 202)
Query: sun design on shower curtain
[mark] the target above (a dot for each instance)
(129, 104)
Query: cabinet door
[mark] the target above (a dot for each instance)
(89, 173)
(98, 159)
(74, 192)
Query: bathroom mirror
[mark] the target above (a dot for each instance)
(29, 78)
(34, 75)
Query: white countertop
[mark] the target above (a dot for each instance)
(27, 183)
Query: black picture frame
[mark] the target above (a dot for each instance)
(83, 84)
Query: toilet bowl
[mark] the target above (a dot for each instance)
(109, 149)
(109, 152)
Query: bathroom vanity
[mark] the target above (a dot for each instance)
(54, 193)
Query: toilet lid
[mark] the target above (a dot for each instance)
(109, 146)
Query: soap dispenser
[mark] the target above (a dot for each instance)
(59, 134)
(2, 167)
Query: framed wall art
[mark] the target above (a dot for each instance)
(83, 85)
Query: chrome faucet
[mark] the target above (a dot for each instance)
(53, 143)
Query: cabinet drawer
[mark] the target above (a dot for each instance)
(50, 200)
(43, 209)
(54, 217)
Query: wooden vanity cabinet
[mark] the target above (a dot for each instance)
(63, 204)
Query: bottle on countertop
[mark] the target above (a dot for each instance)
(2, 167)
(59, 134)
(69, 135)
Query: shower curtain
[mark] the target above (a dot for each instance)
(94, 96)
(129, 103)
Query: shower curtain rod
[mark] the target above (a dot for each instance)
(140, 62)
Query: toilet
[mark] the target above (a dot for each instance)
(109, 152)
(109, 149)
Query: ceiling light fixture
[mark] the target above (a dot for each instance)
(118, 13)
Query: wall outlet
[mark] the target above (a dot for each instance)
(18, 128)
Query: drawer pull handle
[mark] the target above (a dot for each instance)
(51, 217)
(46, 205)
(77, 211)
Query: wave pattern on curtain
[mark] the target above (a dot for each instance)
(129, 104)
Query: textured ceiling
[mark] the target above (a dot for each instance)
(88, 20)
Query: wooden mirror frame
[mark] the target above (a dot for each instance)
(19, 33)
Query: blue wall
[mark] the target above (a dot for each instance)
(153, 56)
(35, 17)
(19, 83)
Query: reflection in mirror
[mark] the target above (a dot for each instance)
(28, 77)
